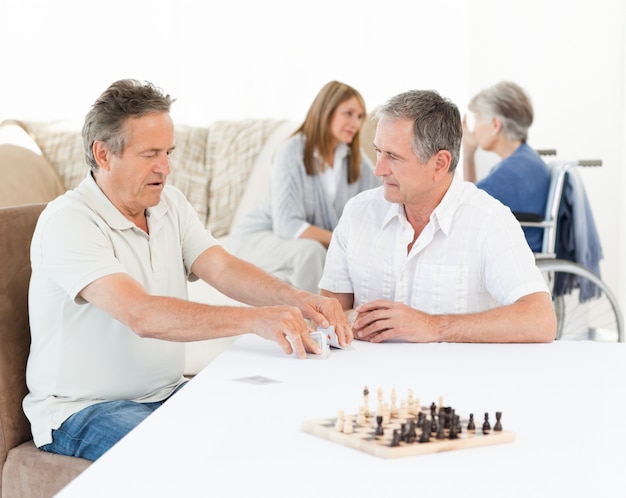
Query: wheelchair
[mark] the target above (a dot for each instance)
(585, 307)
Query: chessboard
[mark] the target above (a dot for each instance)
(411, 429)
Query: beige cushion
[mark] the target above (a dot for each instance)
(258, 183)
(34, 473)
(27, 176)
(62, 144)
(189, 171)
(232, 148)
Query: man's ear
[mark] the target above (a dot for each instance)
(101, 154)
(443, 158)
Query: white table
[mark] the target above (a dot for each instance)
(222, 437)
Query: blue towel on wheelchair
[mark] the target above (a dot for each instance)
(578, 239)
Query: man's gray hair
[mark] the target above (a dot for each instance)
(436, 122)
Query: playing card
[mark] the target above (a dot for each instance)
(320, 338)
(331, 336)
(257, 379)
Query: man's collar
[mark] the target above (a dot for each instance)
(442, 215)
(101, 204)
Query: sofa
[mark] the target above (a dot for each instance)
(25, 471)
(41, 160)
(223, 169)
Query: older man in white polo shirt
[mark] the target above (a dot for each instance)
(108, 297)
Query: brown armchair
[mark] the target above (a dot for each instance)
(25, 471)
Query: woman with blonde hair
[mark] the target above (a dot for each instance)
(314, 174)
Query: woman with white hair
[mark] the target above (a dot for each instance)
(501, 116)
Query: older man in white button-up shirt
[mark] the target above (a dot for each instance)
(428, 257)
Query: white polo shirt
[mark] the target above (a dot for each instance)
(79, 354)
(472, 255)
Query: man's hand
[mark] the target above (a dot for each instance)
(326, 311)
(379, 321)
(276, 323)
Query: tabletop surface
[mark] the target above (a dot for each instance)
(236, 428)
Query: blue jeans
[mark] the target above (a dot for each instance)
(92, 431)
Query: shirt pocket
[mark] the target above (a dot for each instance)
(444, 289)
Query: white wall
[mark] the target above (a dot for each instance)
(226, 59)
(569, 56)
(233, 59)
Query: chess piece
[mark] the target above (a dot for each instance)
(410, 401)
(411, 433)
(486, 424)
(425, 436)
(394, 399)
(403, 414)
(340, 421)
(379, 426)
(454, 427)
(440, 428)
(348, 428)
(395, 441)
(386, 413)
(366, 401)
(498, 425)
(471, 425)
(361, 419)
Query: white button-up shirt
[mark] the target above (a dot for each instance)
(472, 255)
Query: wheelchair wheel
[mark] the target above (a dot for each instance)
(585, 307)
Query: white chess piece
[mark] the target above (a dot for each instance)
(348, 428)
(386, 413)
(361, 418)
(340, 421)
(404, 411)
(394, 400)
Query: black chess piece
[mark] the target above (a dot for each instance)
(486, 424)
(395, 440)
(379, 426)
(454, 427)
(425, 437)
(411, 433)
(453, 431)
(471, 425)
(498, 425)
(440, 428)
(420, 419)
(448, 412)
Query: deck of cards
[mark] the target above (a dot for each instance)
(326, 338)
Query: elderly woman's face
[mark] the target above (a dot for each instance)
(484, 129)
